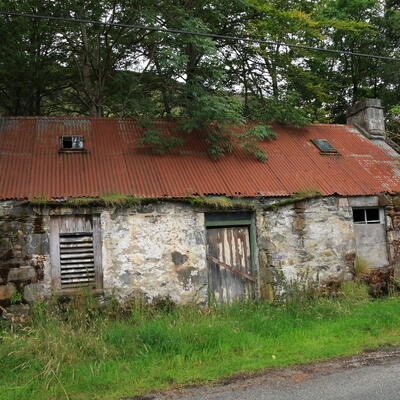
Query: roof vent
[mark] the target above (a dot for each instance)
(324, 146)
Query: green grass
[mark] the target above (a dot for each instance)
(101, 354)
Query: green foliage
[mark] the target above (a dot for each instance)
(209, 86)
(126, 201)
(287, 111)
(119, 200)
(300, 196)
(16, 298)
(255, 134)
(160, 142)
(77, 349)
(214, 114)
(219, 203)
(39, 201)
(82, 202)
(105, 200)
(393, 123)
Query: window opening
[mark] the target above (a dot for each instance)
(366, 215)
(324, 146)
(72, 142)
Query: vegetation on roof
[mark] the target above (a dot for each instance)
(105, 200)
(300, 196)
(118, 200)
(125, 201)
(219, 203)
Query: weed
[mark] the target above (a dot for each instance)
(119, 200)
(39, 201)
(219, 203)
(361, 268)
(300, 196)
(354, 291)
(82, 202)
(16, 298)
(80, 348)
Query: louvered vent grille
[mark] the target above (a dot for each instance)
(76, 260)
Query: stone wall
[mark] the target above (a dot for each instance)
(312, 239)
(24, 249)
(157, 250)
(393, 232)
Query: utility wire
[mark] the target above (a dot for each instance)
(189, 33)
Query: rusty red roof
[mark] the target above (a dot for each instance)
(31, 165)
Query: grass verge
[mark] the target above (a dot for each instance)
(99, 353)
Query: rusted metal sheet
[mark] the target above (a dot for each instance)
(231, 246)
(31, 166)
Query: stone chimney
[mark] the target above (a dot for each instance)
(367, 115)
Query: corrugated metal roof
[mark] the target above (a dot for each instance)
(31, 166)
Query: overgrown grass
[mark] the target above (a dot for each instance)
(91, 352)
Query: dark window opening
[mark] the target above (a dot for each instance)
(359, 215)
(366, 215)
(72, 142)
(324, 146)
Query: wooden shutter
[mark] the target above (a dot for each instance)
(76, 252)
(76, 260)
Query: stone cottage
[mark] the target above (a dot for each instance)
(82, 205)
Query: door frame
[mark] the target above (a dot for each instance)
(227, 219)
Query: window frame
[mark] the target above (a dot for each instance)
(372, 221)
(318, 144)
(72, 149)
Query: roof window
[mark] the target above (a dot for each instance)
(324, 146)
(72, 144)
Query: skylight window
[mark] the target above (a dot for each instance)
(324, 146)
(72, 142)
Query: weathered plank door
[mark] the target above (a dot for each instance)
(75, 247)
(230, 245)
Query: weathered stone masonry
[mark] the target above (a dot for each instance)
(160, 249)
(24, 252)
(313, 238)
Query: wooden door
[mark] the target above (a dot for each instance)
(230, 245)
(75, 246)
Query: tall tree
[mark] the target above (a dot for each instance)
(31, 76)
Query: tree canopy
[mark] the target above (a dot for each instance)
(68, 68)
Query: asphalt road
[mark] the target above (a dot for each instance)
(369, 376)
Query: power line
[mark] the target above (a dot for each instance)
(189, 33)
